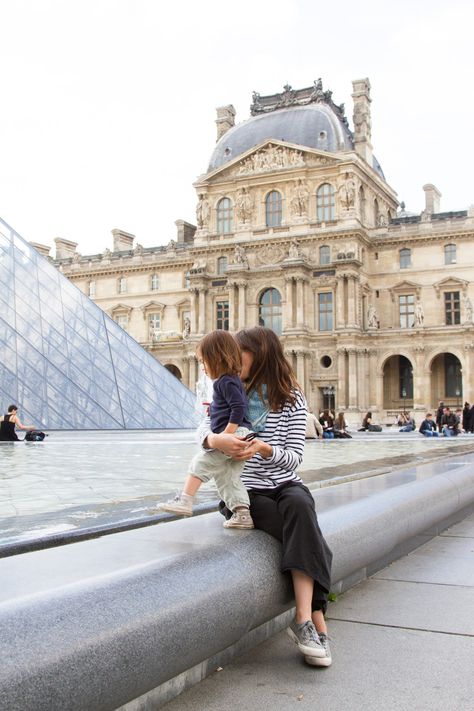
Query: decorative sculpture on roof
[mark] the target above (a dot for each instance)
(202, 212)
(138, 249)
(296, 97)
(243, 205)
(299, 201)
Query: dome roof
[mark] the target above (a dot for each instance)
(314, 126)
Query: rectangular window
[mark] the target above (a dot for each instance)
(154, 324)
(407, 310)
(222, 315)
(122, 320)
(450, 254)
(122, 285)
(325, 310)
(91, 289)
(452, 308)
(405, 258)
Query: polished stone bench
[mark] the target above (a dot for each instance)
(129, 620)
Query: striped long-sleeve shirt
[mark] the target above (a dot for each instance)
(285, 431)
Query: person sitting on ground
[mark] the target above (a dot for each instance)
(340, 427)
(221, 358)
(471, 419)
(439, 415)
(409, 423)
(314, 428)
(8, 422)
(449, 423)
(327, 423)
(428, 427)
(458, 414)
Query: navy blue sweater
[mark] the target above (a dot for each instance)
(229, 404)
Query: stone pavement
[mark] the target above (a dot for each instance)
(403, 640)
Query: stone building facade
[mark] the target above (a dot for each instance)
(297, 229)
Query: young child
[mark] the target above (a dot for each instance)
(221, 359)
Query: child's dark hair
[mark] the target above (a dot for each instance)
(221, 353)
(12, 407)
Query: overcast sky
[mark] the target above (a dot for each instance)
(108, 106)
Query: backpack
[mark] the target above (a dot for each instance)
(34, 436)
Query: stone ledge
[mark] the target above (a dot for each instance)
(113, 639)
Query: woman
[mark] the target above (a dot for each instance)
(327, 423)
(366, 422)
(340, 427)
(280, 504)
(8, 422)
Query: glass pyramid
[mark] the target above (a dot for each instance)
(66, 364)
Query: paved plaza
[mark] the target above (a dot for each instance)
(403, 640)
(77, 480)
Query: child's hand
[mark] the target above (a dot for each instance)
(256, 446)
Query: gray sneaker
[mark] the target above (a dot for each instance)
(307, 639)
(181, 504)
(325, 661)
(240, 519)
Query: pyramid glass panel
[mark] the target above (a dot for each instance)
(66, 364)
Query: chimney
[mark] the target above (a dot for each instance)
(43, 249)
(185, 231)
(362, 120)
(225, 119)
(123, 241)
(432, 196)
(64, 248)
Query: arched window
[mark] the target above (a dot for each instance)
(273, 209)
(221, 265)
(450, 254)
(362, 204)
(325, 203)
(405, 258)
(324, 254)
(269, 310)
(155, 282)
(224, 216)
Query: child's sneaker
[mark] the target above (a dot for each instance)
(181, 504)
(325, 661)
(240, 519)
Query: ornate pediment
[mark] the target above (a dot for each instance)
(451, 283)
(405, 287)
(269, 157)
(152, 307)
(120, 309)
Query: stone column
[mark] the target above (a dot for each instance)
(362, 379)
(300, 374)
(421, 386)
(232, 306)
(351, 305)
(242, 315)
(185, 367)
(357, 302)
(341, 378)
(194, 321)
(192, 373)
(289, 303)
(353, 404)
(374, 387)
(300, 294)
(340, 320)
(202, 310)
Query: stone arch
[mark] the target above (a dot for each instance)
(446, 370)
(174, 370)
(397, 379)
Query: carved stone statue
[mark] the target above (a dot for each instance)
(347, 193)
(186, 327)
(106, 254)
(372, 319)
(468, 309)
(202, 212)
(299, 201)
(294, 251)
(76, 257)
(419, 314)
(382, 221)
(198, 267)
(244, 205)
(240, 257)
(171, 244)
(138, 249)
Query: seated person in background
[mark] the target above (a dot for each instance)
(327, 422)
(368, 425)
(408, 423)
(8, 422)
(428, 426)
(340, 427)
(450, 423)
(459, 418)
(314, 428)
(466, 416)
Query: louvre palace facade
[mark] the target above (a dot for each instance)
(297, 229)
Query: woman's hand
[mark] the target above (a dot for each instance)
(256, 446)
(229, 444)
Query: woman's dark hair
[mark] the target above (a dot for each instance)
(12, 407)
(340, 421)
(221, 353)
(269, 367)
